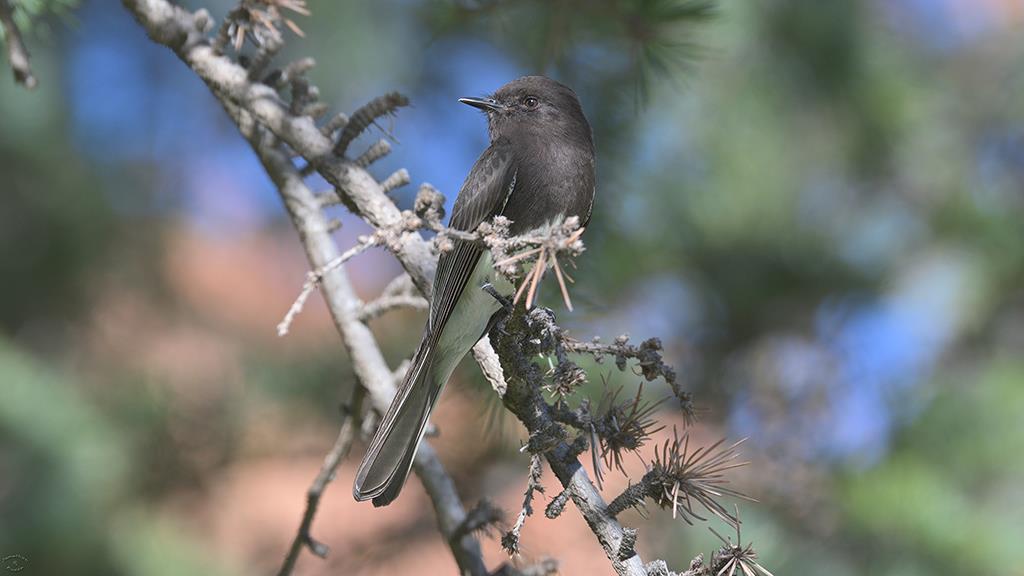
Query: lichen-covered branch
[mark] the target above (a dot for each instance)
(253, 107)
(368, 362)
(280, 129)
(729, 559)
(523, 398)
(510, 541)
(187, 34)
(679, 478)
(650, 364)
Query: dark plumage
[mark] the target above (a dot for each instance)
(539, 168)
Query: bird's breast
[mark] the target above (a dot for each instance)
(553, 182)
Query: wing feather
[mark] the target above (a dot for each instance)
(483, 195)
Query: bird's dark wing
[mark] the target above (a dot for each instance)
(483, 195)
(389, 456)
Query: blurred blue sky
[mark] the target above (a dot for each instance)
(131, 100)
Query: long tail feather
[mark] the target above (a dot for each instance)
(386, 465)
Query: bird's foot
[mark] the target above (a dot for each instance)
(503, 300)
(497, 321)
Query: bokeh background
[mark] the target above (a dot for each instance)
(818, 206)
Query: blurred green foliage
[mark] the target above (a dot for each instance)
(45, 274)
(34, 15)
(67, 503)
(763, 164)
(947, 493)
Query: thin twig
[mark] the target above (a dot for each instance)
(168, 24)
(349, 426)
(510, 541)
(314, 278)
(385, 304)
(259, 109)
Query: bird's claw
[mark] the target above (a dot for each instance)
(498, 319)
(503, 300)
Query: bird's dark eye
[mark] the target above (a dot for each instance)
(530, 102)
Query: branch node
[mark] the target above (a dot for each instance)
(624, 427)
(380, 149)
(366, 115)
(328, 198)
(278, 79)
(557, 505)
(314, 277)
(543, 440)
(680, 478)
(627, 546)
(482, 518)
(316, 547)
(429, 205)
(657, 568)
(398, 179)
(259, 64)
(337, 122)
(384, 304)
(632, 497)
(203, 21)
(313, 110)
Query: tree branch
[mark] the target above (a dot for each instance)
(387, 303)
(349, 427)
(278, 131)
(185, 33)
(17, 53)
(523, 398)
(252, 105)
(367, 360)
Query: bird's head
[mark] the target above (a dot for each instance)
(534, 106)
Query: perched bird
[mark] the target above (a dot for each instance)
(537, 170)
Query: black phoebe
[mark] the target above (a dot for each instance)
(538, 169)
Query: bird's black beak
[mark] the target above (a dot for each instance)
(485, 104)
